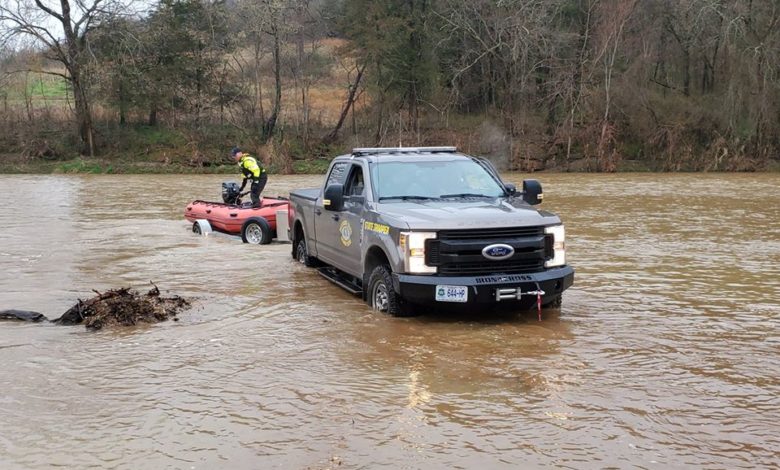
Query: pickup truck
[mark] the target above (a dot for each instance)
(411, 227)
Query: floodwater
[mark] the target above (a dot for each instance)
(665, 354)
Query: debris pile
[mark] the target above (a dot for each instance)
(114, 307)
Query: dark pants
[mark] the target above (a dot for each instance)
(257, 188)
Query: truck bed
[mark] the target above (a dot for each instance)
(310, 193)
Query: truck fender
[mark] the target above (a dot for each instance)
(300, 220)
(298, 232)
(380, 252)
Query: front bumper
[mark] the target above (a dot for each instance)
(482, 289)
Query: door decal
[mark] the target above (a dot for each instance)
(378, 228)
(346, 233)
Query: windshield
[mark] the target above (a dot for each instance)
(433, 180)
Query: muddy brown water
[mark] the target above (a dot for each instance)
(665, 354)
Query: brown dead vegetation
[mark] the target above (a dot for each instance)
(124, 307)
(116, 307)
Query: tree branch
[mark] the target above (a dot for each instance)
(49, 11)
(45, 72)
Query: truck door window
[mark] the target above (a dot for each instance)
(355, 183)
(338, 173)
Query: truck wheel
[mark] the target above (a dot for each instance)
(381, 295)
(256, 231)
(556, 302)
(302, 254)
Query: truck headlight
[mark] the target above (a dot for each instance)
(559, 246)
(412, 246)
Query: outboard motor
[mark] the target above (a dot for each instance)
(230, 192)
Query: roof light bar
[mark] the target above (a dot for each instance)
(401, 150)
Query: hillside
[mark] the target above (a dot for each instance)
(565, 85)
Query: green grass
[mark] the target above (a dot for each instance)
(39, 87)
(634, 166)
(311, 167)
(159, 136)
(125, 165)
(82, 166)
(48, 87)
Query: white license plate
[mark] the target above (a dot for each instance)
(452, 294)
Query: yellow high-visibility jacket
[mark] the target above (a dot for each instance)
(250, 168)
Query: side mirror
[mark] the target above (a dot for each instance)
(333, 199)
(510, 189)
(532, 192)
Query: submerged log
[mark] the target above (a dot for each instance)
(24, 315)
(114, 307)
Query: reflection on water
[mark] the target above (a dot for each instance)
(665, 353)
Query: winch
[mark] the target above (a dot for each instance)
(515, 293)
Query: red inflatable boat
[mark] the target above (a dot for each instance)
(255, 225)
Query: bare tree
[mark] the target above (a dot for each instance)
(614, 15)
(62, 28)
(304, 67)
(265, 25)
(352, 95)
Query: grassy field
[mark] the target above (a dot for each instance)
(38, 88)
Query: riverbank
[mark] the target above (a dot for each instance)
(119, 166)
(301, 167)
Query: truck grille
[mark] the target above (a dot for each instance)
(459, 252)
(494, 235)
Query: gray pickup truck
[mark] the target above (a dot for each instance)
(412, 227)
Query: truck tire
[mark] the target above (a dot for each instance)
(256, 231)
(556, 302)
(381, 295)
(302, 254)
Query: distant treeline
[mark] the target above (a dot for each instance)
(595, 85)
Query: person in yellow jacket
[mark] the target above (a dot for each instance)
(251, 171)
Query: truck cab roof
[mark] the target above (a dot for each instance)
(409, 155)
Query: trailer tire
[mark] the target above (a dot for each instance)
(256, 231)
(201, 227)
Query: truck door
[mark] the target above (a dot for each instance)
(339, 232)
(326, 223)
(351, 221)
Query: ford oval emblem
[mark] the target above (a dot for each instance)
(498, 252)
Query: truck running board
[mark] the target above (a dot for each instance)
(340, 280)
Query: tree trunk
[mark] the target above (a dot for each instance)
(83, 112)
(331, 137)
(258, 111)
(305, 110)
(686, 72)
(122, 103)
(270, 124)
(27, 98)
(153, 116)
(73, 62)
(198, 88)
